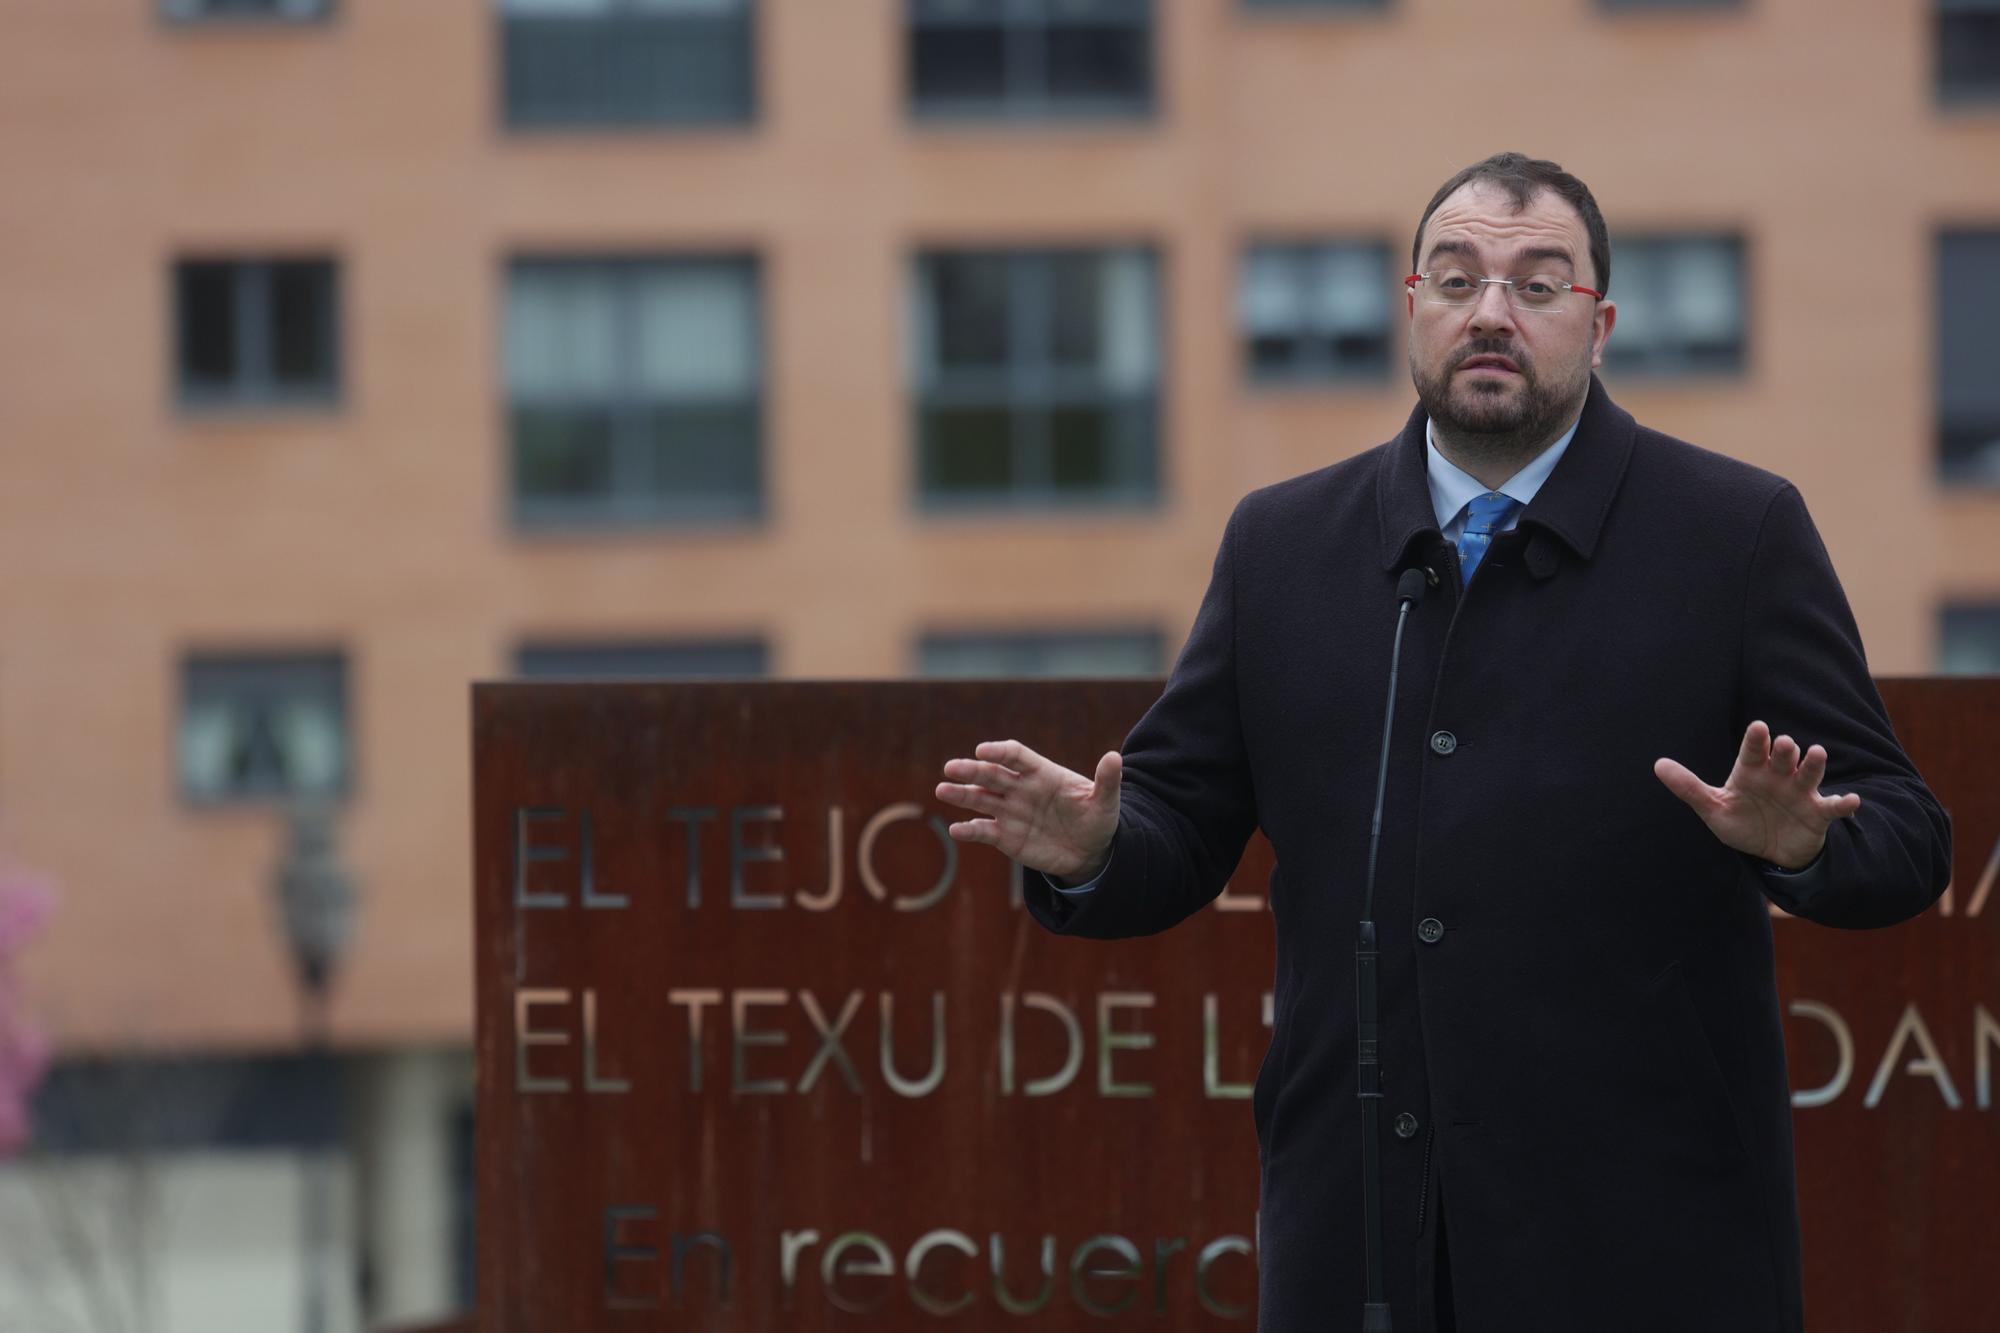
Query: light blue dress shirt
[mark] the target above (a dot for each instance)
(1452, 489)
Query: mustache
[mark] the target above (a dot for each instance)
(1493, 347)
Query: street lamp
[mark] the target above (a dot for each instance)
(316, 900)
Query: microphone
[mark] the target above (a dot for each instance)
(1367, 1047)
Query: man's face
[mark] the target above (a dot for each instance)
(1551, 352)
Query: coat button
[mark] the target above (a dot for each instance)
(1406, 1126)
(1443, 742)
(1430, 930)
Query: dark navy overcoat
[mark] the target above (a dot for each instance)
(1580, 1019)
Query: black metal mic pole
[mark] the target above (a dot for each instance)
(1367, 1048)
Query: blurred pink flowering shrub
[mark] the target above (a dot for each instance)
(24, 1053)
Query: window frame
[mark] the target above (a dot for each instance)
(1960, 94)
(628, 510)
(197, 14)
(639, 646)
(264, 671)
(1323, 374)
(1954, 473)
(1668, 8)
(1678, 366)
(1314, 8)
(1983, 618)
(1025, 97)
(1026, 389)
(621, 22)
(1040, 639)
(253, 333)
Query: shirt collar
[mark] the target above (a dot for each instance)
(1451, 487)
(1572, 507)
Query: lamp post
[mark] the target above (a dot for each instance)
(316, 903)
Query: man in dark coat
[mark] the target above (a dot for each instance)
(1585, 1071)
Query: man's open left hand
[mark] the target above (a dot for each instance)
(1771, 805)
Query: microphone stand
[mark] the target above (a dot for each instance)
(1367, 1048)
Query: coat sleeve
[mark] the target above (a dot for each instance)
(1187, 807)
(1804, 674)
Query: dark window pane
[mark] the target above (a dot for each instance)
(1032, 57)
(1969, 640)
(302, 325)
(245, 9)
(254, 331)
(1076, 304)
(970, 305)
(1275, 354)
(128, 1105)
(1968, 55)
(968, 450)
(1027, 653)
(207, 297)
(1081, 448)
(1968, 343)
(664, 659)
(1969, 451)
(1669, 4)
(1098, 61)
(960, 63)
(704, 452)
(626, 68)
(672, 70)
(562, 453)
(1361, 352)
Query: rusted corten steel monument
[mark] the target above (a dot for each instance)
(761, 1048)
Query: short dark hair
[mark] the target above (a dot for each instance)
(1523, 177)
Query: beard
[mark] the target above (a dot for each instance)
(1497, 422)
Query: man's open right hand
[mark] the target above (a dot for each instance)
(1043, 815)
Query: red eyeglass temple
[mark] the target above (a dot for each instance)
(1416, 278)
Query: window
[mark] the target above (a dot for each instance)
(1968, 50)
(143, 1106)
(586, 63)
(1309, 5)
(634, 387)
(643, 659)
(1968, 292)
(256, 331)
(1666, 6)
(464, 1208)
(1031, 58)
(1316, 313)
(1680, 306)
(255, 726)
(1037, 377)
(1062, 653)
(285, 11)
(1969, 640)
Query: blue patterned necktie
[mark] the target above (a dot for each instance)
(1484, 515)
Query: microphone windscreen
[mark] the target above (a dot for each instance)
(1410, 588)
